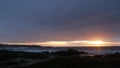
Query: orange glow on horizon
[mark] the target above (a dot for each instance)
(96, 43)
(90, 43)
(73, 43)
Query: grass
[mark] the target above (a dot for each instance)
(77, 62)
(62, 59)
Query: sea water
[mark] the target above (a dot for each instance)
(94, 50)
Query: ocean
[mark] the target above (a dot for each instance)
(93, 50)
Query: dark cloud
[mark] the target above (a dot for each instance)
(43, 20)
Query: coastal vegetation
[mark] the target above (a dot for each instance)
(60, 59)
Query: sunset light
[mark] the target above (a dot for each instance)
(90, 43)
(72, 43)
(60, 33)
(94, 42)
(97, 43)
(78, 43)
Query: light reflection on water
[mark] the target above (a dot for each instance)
(93, 50)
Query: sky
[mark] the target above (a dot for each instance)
(23, 21)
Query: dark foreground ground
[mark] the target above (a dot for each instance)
(61, 59)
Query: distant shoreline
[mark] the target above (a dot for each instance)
(38, 49)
